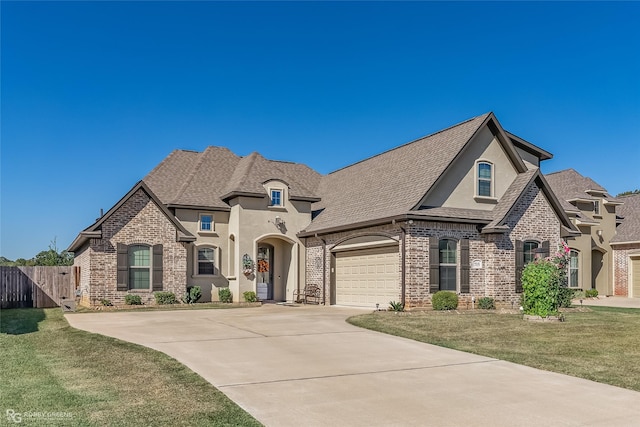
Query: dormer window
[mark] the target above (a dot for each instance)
(596, 207)
(276, 198)
(484, 186)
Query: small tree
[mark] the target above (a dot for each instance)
(544, 282)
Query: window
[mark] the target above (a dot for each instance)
(206, 261)
(232, 255)
(573, 269)
(206, 222)
(596, 207)
(448, 264)
(276, 197)
(529, 251)
(139, 267)
(484, 179)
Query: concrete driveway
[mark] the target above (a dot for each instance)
(293, 366)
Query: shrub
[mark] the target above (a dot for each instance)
(565, 295)
(396, 306)
(250, 296)
(486, 303)
(444, 300)
(225, 295)
(193, 295)
(132, 299)
(105, 302)
(591, 293)
(163, 298)
(540, 288)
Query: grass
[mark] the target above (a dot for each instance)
(602, 344)
(48, 366)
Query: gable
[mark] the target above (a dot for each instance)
(457, 187)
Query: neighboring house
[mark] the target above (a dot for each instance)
(463, 209)
(626, 249)
(593, 211)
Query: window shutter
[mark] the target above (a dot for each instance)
(545, 248)
(464, 266)
(434, 265)
(123, 267)
(157, 268)
(519, 264)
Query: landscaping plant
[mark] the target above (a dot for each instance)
(250, 296)
(165, 298)
(444, 300)
(132, 299)
(225, 295)
(486, 303)
(544, 285)
(396, 306)
(194, 293)
(591, 293)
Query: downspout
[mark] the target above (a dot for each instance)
(324, 271)
(403, 268)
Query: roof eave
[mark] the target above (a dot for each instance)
(629, 242)
(232, 194)
(305, 199)
(199, 207)
(527, 146)
(82, 238)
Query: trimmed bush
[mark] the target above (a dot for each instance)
(193, 295)
(591, 293)
(163, 298)
(132, 299)
(225, 295)
(444, 300)
(250, 296)
(486, 303)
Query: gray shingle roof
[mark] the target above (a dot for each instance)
(629, 230)
(187, 178)
(570, 185)
(391, 183)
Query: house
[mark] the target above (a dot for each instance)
(463, 209)
(626, 248)
(593, 211)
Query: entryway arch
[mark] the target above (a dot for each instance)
(276, 267)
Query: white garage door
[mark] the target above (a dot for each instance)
(368, 276)
(635, 277)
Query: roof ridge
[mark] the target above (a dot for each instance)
(563, 170)
(411, 142)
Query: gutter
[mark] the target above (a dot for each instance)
(390, 220)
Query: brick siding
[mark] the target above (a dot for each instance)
(621, 268)
(138, 221)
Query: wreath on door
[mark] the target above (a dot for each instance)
(263, 266)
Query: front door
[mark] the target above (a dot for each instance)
(264, 270)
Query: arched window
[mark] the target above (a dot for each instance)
(139, 267)
(448, 264)
(573, 269)
(485, 177)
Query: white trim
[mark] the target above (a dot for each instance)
(577, 286)
(632, 242)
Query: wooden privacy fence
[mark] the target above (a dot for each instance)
(39, 287)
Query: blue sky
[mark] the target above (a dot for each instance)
(95, 94)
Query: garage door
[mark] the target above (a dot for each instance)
(635, 277)
(368, 276)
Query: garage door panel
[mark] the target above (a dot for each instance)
(367, 277)
(635, 277)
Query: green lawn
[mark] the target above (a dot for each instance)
(602, 344)
(47, 366)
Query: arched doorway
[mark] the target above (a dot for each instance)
(276, 268)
